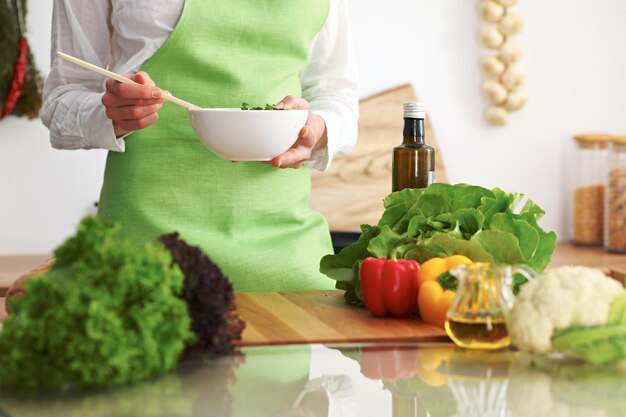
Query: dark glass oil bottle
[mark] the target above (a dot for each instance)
(413, 160)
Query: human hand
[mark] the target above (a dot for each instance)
(131, 106)
(312, 136)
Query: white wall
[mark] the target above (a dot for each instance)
(576, 81)
(43, 192)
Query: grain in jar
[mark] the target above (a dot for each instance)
(615, 233)
(588, 194)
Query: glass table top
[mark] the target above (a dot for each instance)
(435, 380)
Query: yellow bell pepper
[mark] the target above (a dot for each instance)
(432, 300)
(432, 268)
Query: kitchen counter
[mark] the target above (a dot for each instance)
(379, 378)
(407, 380)
(12, 266)
(568, 254)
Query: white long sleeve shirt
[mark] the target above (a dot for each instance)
(122, 34)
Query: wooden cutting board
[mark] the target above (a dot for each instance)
(322, 317)
(274, 318)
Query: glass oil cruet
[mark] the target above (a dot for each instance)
(477, 317)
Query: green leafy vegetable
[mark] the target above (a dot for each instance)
(446, 245)
(246, 106)
(107, 313)
(209, 297)
(448, 281)
(518, 281)
(598, 344)
(484, 225)
(617, 311)
(344, 267)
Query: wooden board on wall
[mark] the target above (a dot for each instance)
(350, 193)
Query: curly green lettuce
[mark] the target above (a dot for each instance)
(107, 313)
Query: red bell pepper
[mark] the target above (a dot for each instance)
(389, 286)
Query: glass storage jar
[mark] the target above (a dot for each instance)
(615, 218)
(589, 177)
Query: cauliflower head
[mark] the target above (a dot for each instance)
(562, 297)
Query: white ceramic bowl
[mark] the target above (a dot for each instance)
(248, 135)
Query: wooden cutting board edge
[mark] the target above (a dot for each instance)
(341, 340)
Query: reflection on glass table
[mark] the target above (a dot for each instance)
(407, 380)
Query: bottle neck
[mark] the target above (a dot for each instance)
(413, 130)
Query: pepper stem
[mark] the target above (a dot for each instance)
(394, 249)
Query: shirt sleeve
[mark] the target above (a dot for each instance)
(330, 85)
(72, 107)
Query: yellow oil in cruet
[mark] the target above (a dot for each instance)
(478, 333)
(477, 317)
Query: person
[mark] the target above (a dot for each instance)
(251, 218)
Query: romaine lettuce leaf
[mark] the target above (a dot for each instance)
(339, 266)
(503, 246)
(379, 246)
(543, 254)
(446, 245)
(527, 235)
(399, 208)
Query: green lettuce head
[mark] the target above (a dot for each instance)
(484, 225)
(107, 313)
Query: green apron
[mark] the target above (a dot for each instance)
(252, 219)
